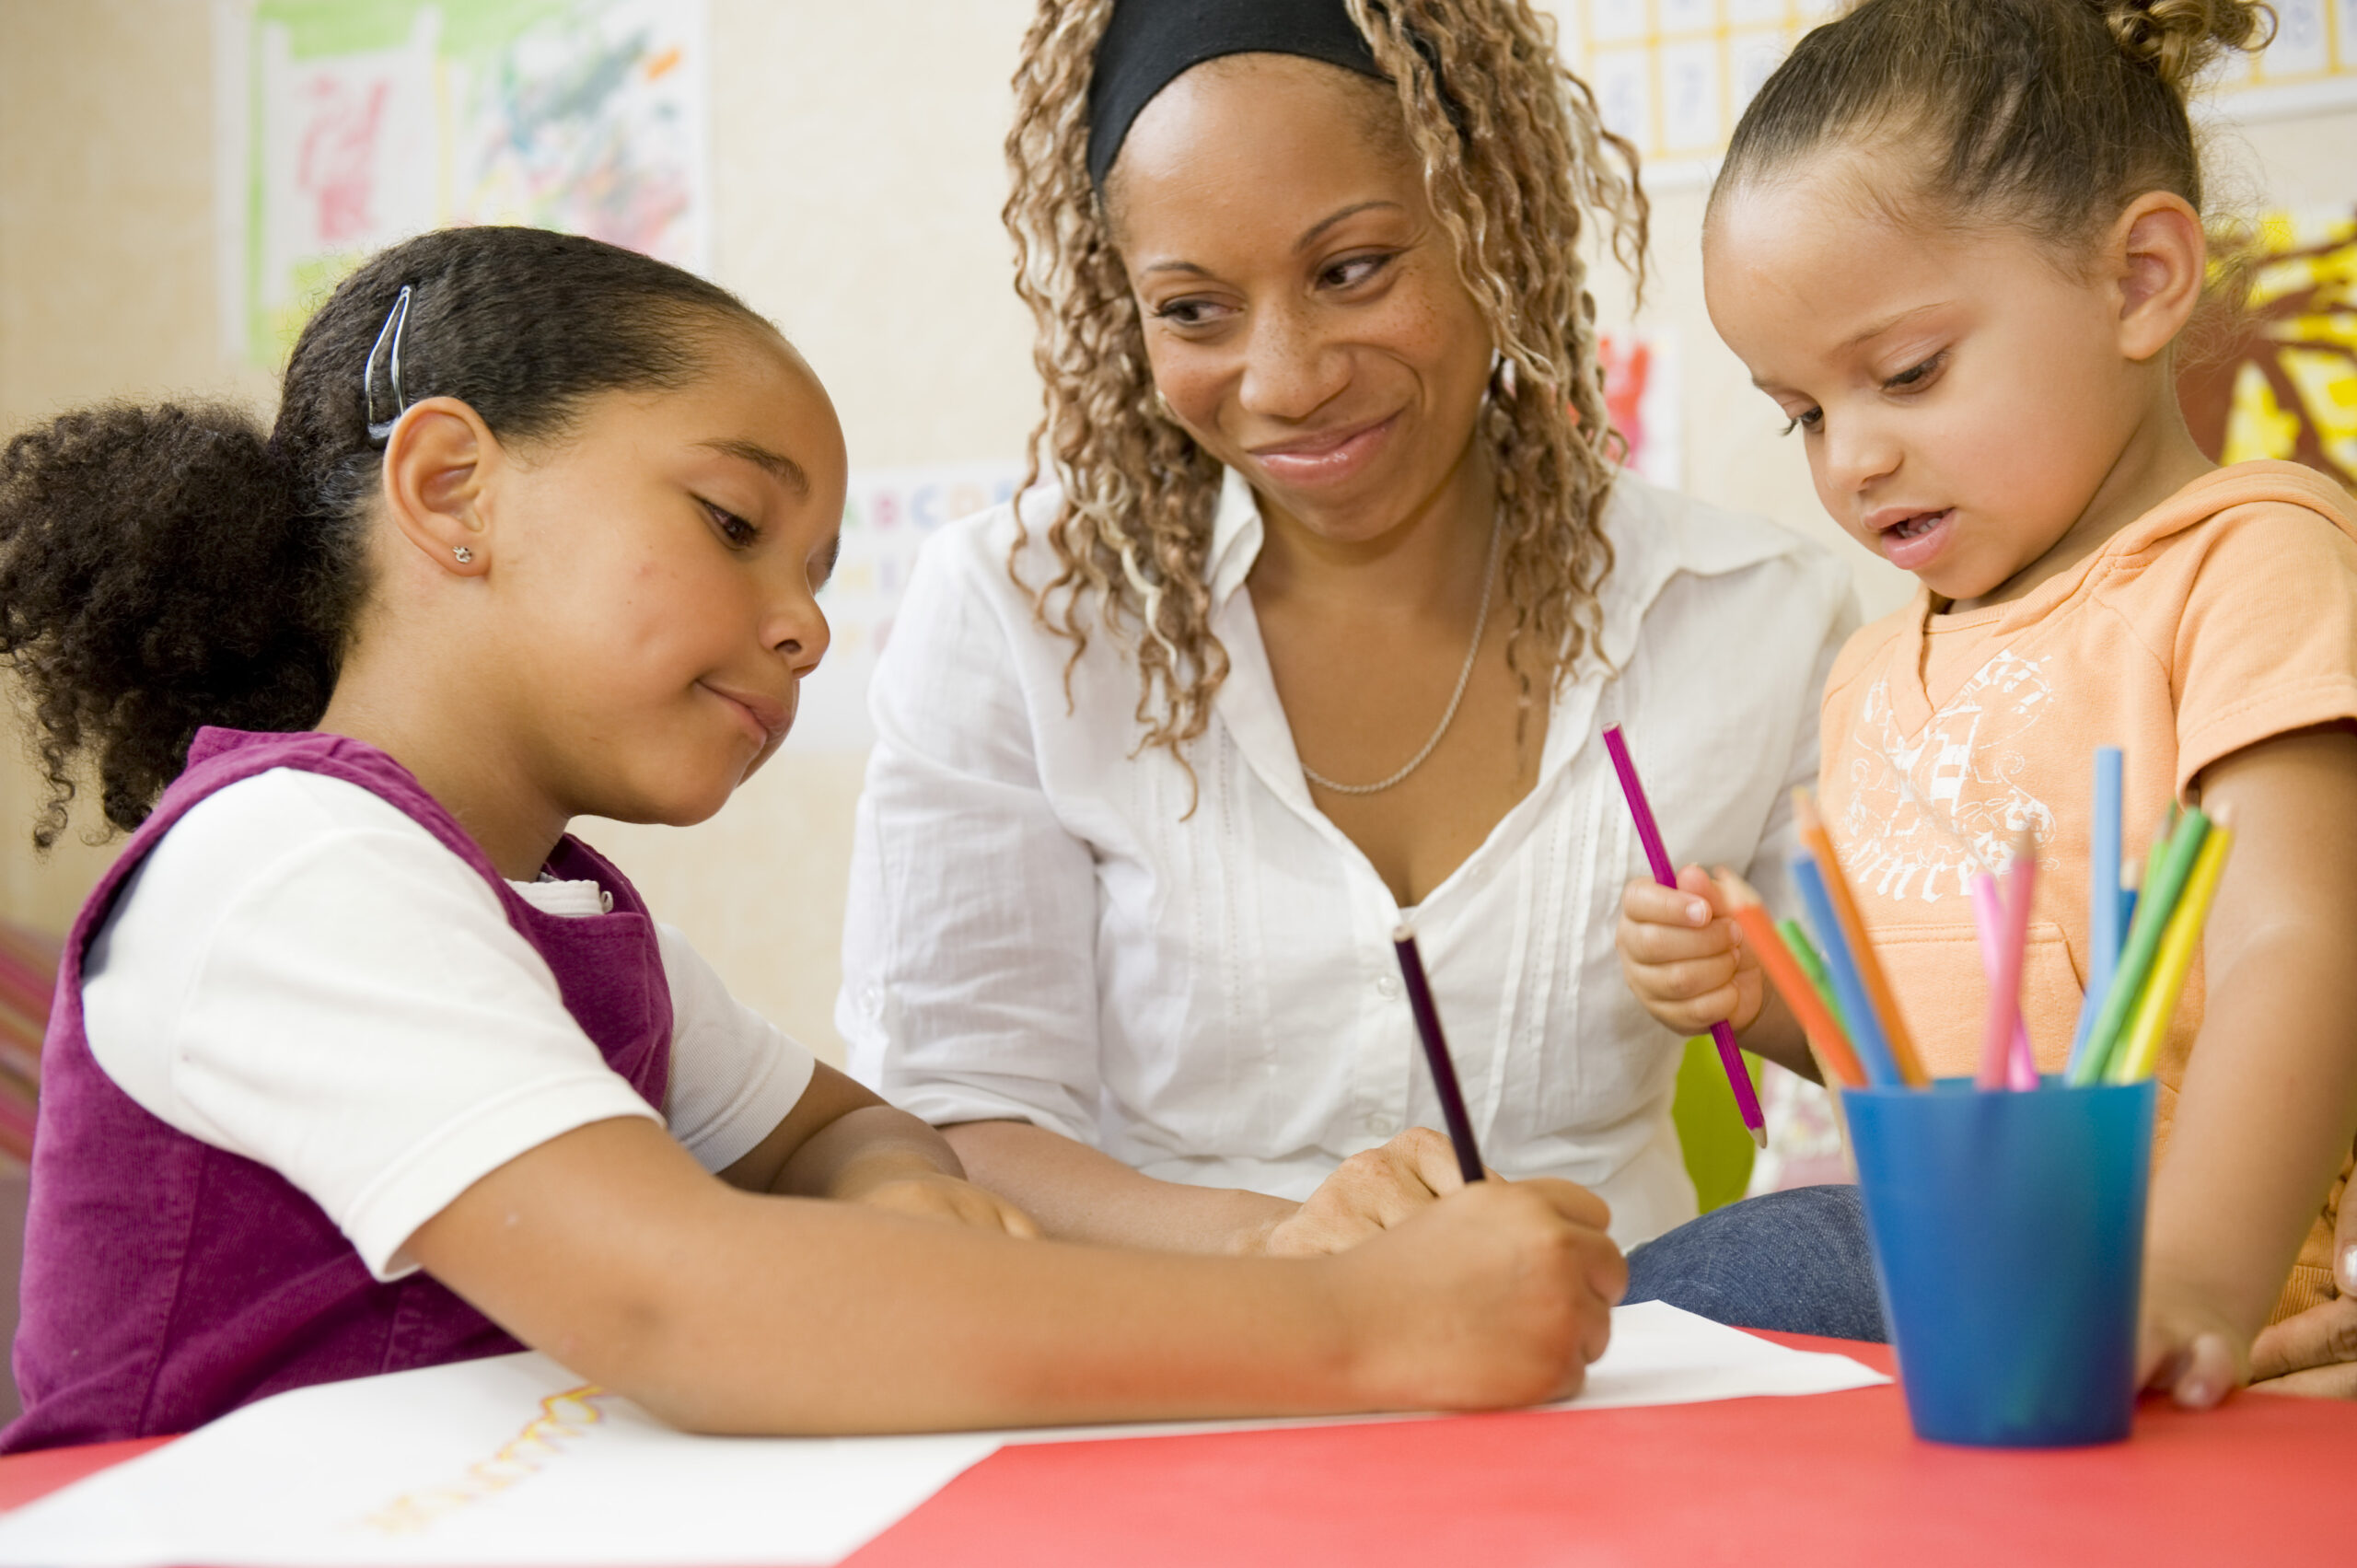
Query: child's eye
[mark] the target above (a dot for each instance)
(1917, 374)
(1807, 418)
(733, 528)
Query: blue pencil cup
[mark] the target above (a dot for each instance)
(2008, 1234)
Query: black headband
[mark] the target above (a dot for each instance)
(1150, 44)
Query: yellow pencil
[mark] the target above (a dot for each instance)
(2148, 1027)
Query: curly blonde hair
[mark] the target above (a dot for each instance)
(1514, 158)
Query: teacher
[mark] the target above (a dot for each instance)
(1313, 633)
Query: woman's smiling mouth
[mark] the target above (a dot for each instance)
(1328, 457)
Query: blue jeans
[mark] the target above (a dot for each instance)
(1795, 1261)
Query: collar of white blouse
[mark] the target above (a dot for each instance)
(1652, 541)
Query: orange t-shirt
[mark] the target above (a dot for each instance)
(2224, 617)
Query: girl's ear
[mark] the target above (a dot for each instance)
(2160, 259)
(439, 465)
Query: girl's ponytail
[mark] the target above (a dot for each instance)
(166, 568)
(2178, 38)
(157, 574)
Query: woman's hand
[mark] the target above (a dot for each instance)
(929, 1194)
(2316, 1351)
(1683, 955)
(1369, 1193)
(841, 1142)
(1500, 1294)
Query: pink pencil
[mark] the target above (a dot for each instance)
(2004, 921)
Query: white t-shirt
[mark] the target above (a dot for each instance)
(1194, 972)
(301, 974)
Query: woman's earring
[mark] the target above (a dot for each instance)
(463, 553)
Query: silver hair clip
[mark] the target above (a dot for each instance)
(395, 320)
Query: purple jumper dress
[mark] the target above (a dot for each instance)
(167, 1282)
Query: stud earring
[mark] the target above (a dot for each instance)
(463, 553)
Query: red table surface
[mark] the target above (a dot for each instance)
(1819, 1481)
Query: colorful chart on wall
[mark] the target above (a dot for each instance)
(887, 516)
(2284, 383)
(344, 125)
(1674, 75)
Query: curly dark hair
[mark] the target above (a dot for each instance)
(163, 568)
(1520, 169)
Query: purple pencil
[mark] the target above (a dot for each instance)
(1452, 1099)
(1746, 1099)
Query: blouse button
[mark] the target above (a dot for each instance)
(871, 997)
(1381, 1125)
(1386, 986)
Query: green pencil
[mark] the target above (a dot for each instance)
(2166, 869)
(1812, 964)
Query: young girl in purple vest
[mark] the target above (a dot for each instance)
(360, 1062)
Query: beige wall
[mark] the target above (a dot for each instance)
(856, 183)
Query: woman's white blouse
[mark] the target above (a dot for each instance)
(1040, 928)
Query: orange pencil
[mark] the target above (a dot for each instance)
(1853, 930)
(1792, 983)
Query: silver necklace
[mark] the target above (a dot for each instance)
(1464, 677)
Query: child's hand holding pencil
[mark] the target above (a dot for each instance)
(1685, 957)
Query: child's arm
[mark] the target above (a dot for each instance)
(2270, 1098)
(1685, 959)
(722, 1310)
(841, 1140)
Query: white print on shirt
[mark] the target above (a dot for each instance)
(1926, 814)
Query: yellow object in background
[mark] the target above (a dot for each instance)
(2283, 384)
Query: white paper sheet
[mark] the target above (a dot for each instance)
(510, 1463)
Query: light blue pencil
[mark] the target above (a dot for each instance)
(1866, 1027)
(2107, 911)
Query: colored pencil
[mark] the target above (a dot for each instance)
(2168, 867)
(1812, 964)
(1891, 1028)
(2135, 874)
(2004, 921)
(1788, 972)
(2148, 1029)
(1747, 1098)
(1452, 1099)
(1865, 1028)
(2106, 910)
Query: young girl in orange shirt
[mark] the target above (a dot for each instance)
(1958, 242)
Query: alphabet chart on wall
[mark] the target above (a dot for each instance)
(1674, 75)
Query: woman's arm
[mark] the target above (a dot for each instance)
(841, 1141)
(1081, 1194)
(1078, 1193)
(727, 1311)
(2270, 1098)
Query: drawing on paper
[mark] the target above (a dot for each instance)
(569, 1414)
